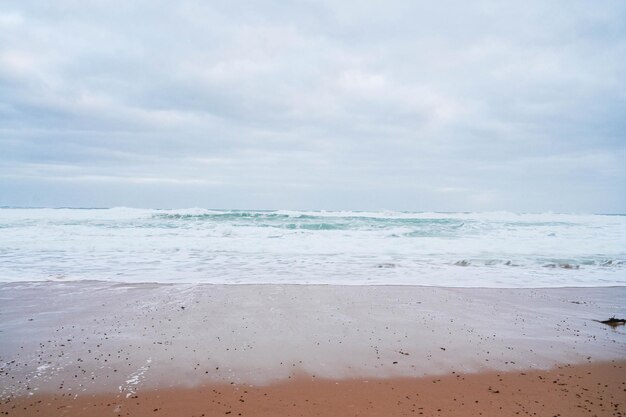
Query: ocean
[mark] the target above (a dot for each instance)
(498, 249)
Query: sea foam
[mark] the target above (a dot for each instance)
(498, 249)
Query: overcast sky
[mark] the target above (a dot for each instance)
(401, 105)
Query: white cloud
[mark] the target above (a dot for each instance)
(407, 105)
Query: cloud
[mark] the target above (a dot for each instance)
(355, 105)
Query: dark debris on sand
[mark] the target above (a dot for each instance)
(613, 322)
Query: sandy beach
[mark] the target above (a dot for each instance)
(582, 390)
(312, 208)
(94, 347)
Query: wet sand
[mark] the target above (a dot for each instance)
(583, 390)
(108, 347)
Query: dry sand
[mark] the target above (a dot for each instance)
(164, 346)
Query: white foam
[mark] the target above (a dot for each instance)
(198, 245)
(130, 385)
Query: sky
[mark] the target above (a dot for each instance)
(336, 105)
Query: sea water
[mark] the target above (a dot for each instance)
(313, 247)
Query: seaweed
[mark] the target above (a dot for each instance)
(613, 322)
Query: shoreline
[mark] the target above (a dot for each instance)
(578, 390)
(113, 340)
(294, 284)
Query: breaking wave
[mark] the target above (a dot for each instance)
(498, 249)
